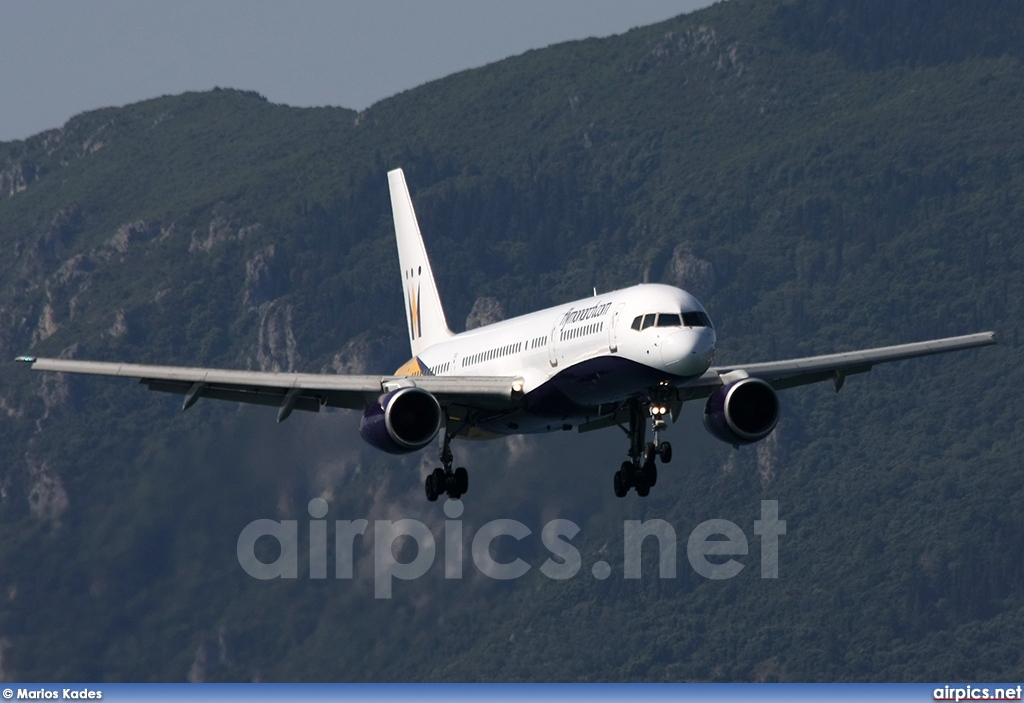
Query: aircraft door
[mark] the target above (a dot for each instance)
(552, 351)
(613, 341)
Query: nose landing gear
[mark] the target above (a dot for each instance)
(641, 471)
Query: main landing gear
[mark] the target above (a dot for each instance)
(640, 472)
(443, 480)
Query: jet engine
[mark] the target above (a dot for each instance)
(742, 412)
(401, 421)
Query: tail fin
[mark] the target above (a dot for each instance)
(423, 311)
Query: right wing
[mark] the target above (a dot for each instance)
(790, 373)
(295, 391)
(835, 367)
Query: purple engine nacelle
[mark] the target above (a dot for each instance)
(401, 421)
(743, 412)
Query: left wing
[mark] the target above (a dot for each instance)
(835, 367)
(294, 391)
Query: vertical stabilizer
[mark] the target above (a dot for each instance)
(423, 311)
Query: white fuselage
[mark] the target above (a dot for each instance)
(581, 358)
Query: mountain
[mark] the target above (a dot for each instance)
(822, 175)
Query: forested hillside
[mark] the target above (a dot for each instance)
(822, 175)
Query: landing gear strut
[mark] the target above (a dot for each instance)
(641, 472)
(443, 480)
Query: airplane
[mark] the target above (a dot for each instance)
(625, 358)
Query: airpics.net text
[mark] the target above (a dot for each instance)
(722, 540)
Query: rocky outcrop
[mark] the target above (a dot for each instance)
(46, 326)
(687, 271)
(47, 498)
(120, 325)
(763, 460)
(485, 312)
(96, 141)
(261, 279)
(131, 233)
(220, 230)
(276, 349)
(66, 224)
(354, 358)
(701, 42)
(42, 153)
(55, 390)
(767, 458)
(17, 177)
(73, 276)
(210, 655)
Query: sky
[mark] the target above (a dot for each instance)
(59, 58)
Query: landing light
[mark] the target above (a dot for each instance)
(517, 387)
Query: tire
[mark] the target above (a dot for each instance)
(440, 481)
(665, 450)
(643, 490)
(649, 475)
(621, 488)
(628, 472)
(428, 485)
(461, 480)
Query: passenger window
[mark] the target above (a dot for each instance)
(668, 319)
(648, 321)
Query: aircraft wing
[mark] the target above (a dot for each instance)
(835, 367)
(293, 391)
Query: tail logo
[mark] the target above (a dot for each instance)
(415, 329)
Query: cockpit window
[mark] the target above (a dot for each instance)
(672, 319)
(696, 319)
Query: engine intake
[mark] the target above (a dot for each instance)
(401, 421)
(742, 412)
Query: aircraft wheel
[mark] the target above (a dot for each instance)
(621, 486)
(461, 480)
(431, 488)
(642, 489)
(649, 475)
(440, 481)
(665, 451)
(629, 474)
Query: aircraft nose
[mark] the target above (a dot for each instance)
(688, 352)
